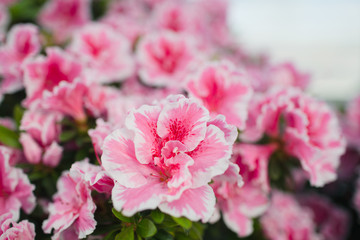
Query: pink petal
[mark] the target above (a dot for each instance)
(238, 223)
(120, 162)
(132, 200)
(195, 204)
(211, 157)
(52, 155)
(32, 150)
(184, 121)
(143, 122)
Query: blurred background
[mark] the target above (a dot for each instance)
(321, 37)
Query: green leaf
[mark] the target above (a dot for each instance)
(18, 114)
(121, 217)
(67, 135)
(9, 137)
(184, 222)
(111, 235)
(163, 235)
(126, 234)
(36, 176)
(146, 228)
(157, 216)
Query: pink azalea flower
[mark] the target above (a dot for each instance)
(67, 98)
(165, 58)
(177, 16)
(97, 135)
(332, 222)
(240, 203)
(165, 158)
(266, 76)
(40, 140)
(16, 191)
(43, 74)
(22, 43)
(97, 99)
(214, 15)
(286, 75)
(351, 123)
(63, 17)
(310, 130)
(11, 230)
(72, 212)
(286, 219)
(94, 175)
(105, 53)
(222, 90)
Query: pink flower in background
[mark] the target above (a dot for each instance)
(99, 133)
(63, 17)
(15, 189)
(105, 53)
(67, 98)
(72, 211)
(43, 74)
(286, 75)
(286, 219)
(22, 43)
(309, 129)
(40, 139)
(222, 90)
(332, 222)
(165, 158)
(240, 203)
(177, 17)
(351, 123)
(11, 230)
(97, 99)
(165, 58)
(266, 76)
(94, 175)
(214, 21)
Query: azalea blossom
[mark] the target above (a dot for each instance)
(310, 130)
(16, 191)
(63, 17)
(286, 219)
(11, 230)
(40, 141)
(94, 175)
(72, 210)
(267, 76)
(43, 74)
(165, 157)
(242, 198)
(22, 43)
(332, 221)
(105, 53)
(165, 58)
(222, 90)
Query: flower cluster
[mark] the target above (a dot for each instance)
(145, 119)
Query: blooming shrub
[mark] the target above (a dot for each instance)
(145, 119)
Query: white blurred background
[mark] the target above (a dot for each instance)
(321, 37)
